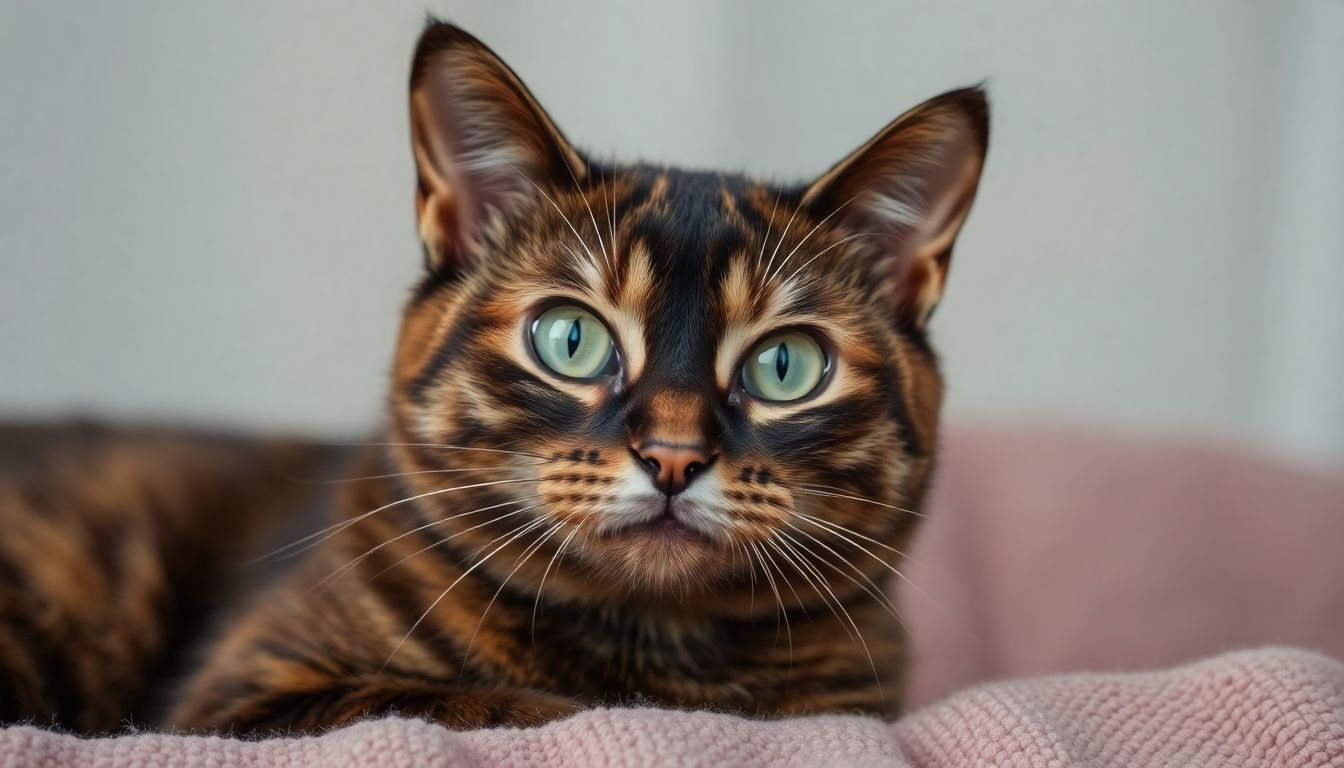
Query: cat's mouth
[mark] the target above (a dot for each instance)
(670, 525)
(665, 526)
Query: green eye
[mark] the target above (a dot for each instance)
(784, 367)
(572, 342)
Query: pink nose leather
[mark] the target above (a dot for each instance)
(673, 466)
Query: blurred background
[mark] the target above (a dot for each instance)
(206, 208)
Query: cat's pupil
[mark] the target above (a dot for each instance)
(575, 334)
(782, 361)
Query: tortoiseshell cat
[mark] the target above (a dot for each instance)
(654, 434)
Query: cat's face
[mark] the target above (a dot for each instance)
(656, 381)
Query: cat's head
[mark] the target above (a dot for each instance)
(683, 380)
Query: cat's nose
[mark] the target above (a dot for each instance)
(673, 465)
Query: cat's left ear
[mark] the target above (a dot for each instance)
(483, 145)
(906, 193)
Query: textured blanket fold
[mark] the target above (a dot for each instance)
(1270, 707)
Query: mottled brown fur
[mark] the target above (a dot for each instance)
(112, 546)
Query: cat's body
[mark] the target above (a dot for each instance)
(654, 435)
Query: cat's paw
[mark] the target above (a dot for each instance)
(520, 709)
(543, 708)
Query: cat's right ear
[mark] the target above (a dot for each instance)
(483, 145)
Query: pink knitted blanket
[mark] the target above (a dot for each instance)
(1272, 707)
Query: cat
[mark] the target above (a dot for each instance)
(655, 435)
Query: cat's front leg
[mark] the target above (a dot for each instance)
(339, 702)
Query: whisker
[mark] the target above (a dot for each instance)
(761, 256)
(360, 558)
(447, 539)
(826, 250)
(840, 530)
(436, 445)
(808, 572)
(779, 600)
(806, 237)
(556, 206)
(596, 229)
(856, 636)
(537, 602)
(751, 572)
(858, 633)
(579, 189)
(305, 481)
(875, 592)
(809, 489)
(519, 532)
(615, 222)
(328, 532)
(772, 543)
(782, 234)
(796, 597)
(611, 219)
(572, 253)
(522, 559)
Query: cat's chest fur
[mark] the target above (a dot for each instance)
(768, 664)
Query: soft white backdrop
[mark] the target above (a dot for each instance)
(205, 209)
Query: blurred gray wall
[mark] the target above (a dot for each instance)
(205, 209)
